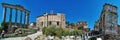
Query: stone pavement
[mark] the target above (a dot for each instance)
(32, 36)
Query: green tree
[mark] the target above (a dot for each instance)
(49, 31)
(65, 32)
(76, 32)
(52, 31)
(69, 25)
(58, 32)
(4, 26)
(81, 27)
(43, 30)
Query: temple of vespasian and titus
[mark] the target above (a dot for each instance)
(17, 8)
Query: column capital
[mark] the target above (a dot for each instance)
(21, 10)
(4, 7)
(11, 9)
(16, 9)
(26, 13)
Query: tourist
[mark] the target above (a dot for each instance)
(99, 38)
(3, 33)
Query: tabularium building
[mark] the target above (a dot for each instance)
(55, 20)
(84, 23)
(108, 22)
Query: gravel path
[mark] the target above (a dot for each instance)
(32, 36)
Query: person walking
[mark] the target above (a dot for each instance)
(3, 33)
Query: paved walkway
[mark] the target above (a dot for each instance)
(32, 36)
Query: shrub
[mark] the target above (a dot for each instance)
(56, 31)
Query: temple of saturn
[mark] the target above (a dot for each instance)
(16, 8)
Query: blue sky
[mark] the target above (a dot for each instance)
(74, 10)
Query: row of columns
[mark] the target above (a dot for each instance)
(26, 17)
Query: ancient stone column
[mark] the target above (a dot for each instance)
(4, 14)
(25, 19)
(28, 19)
(16, 15)
(21, 19)
(10, 19)
(27, 22)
